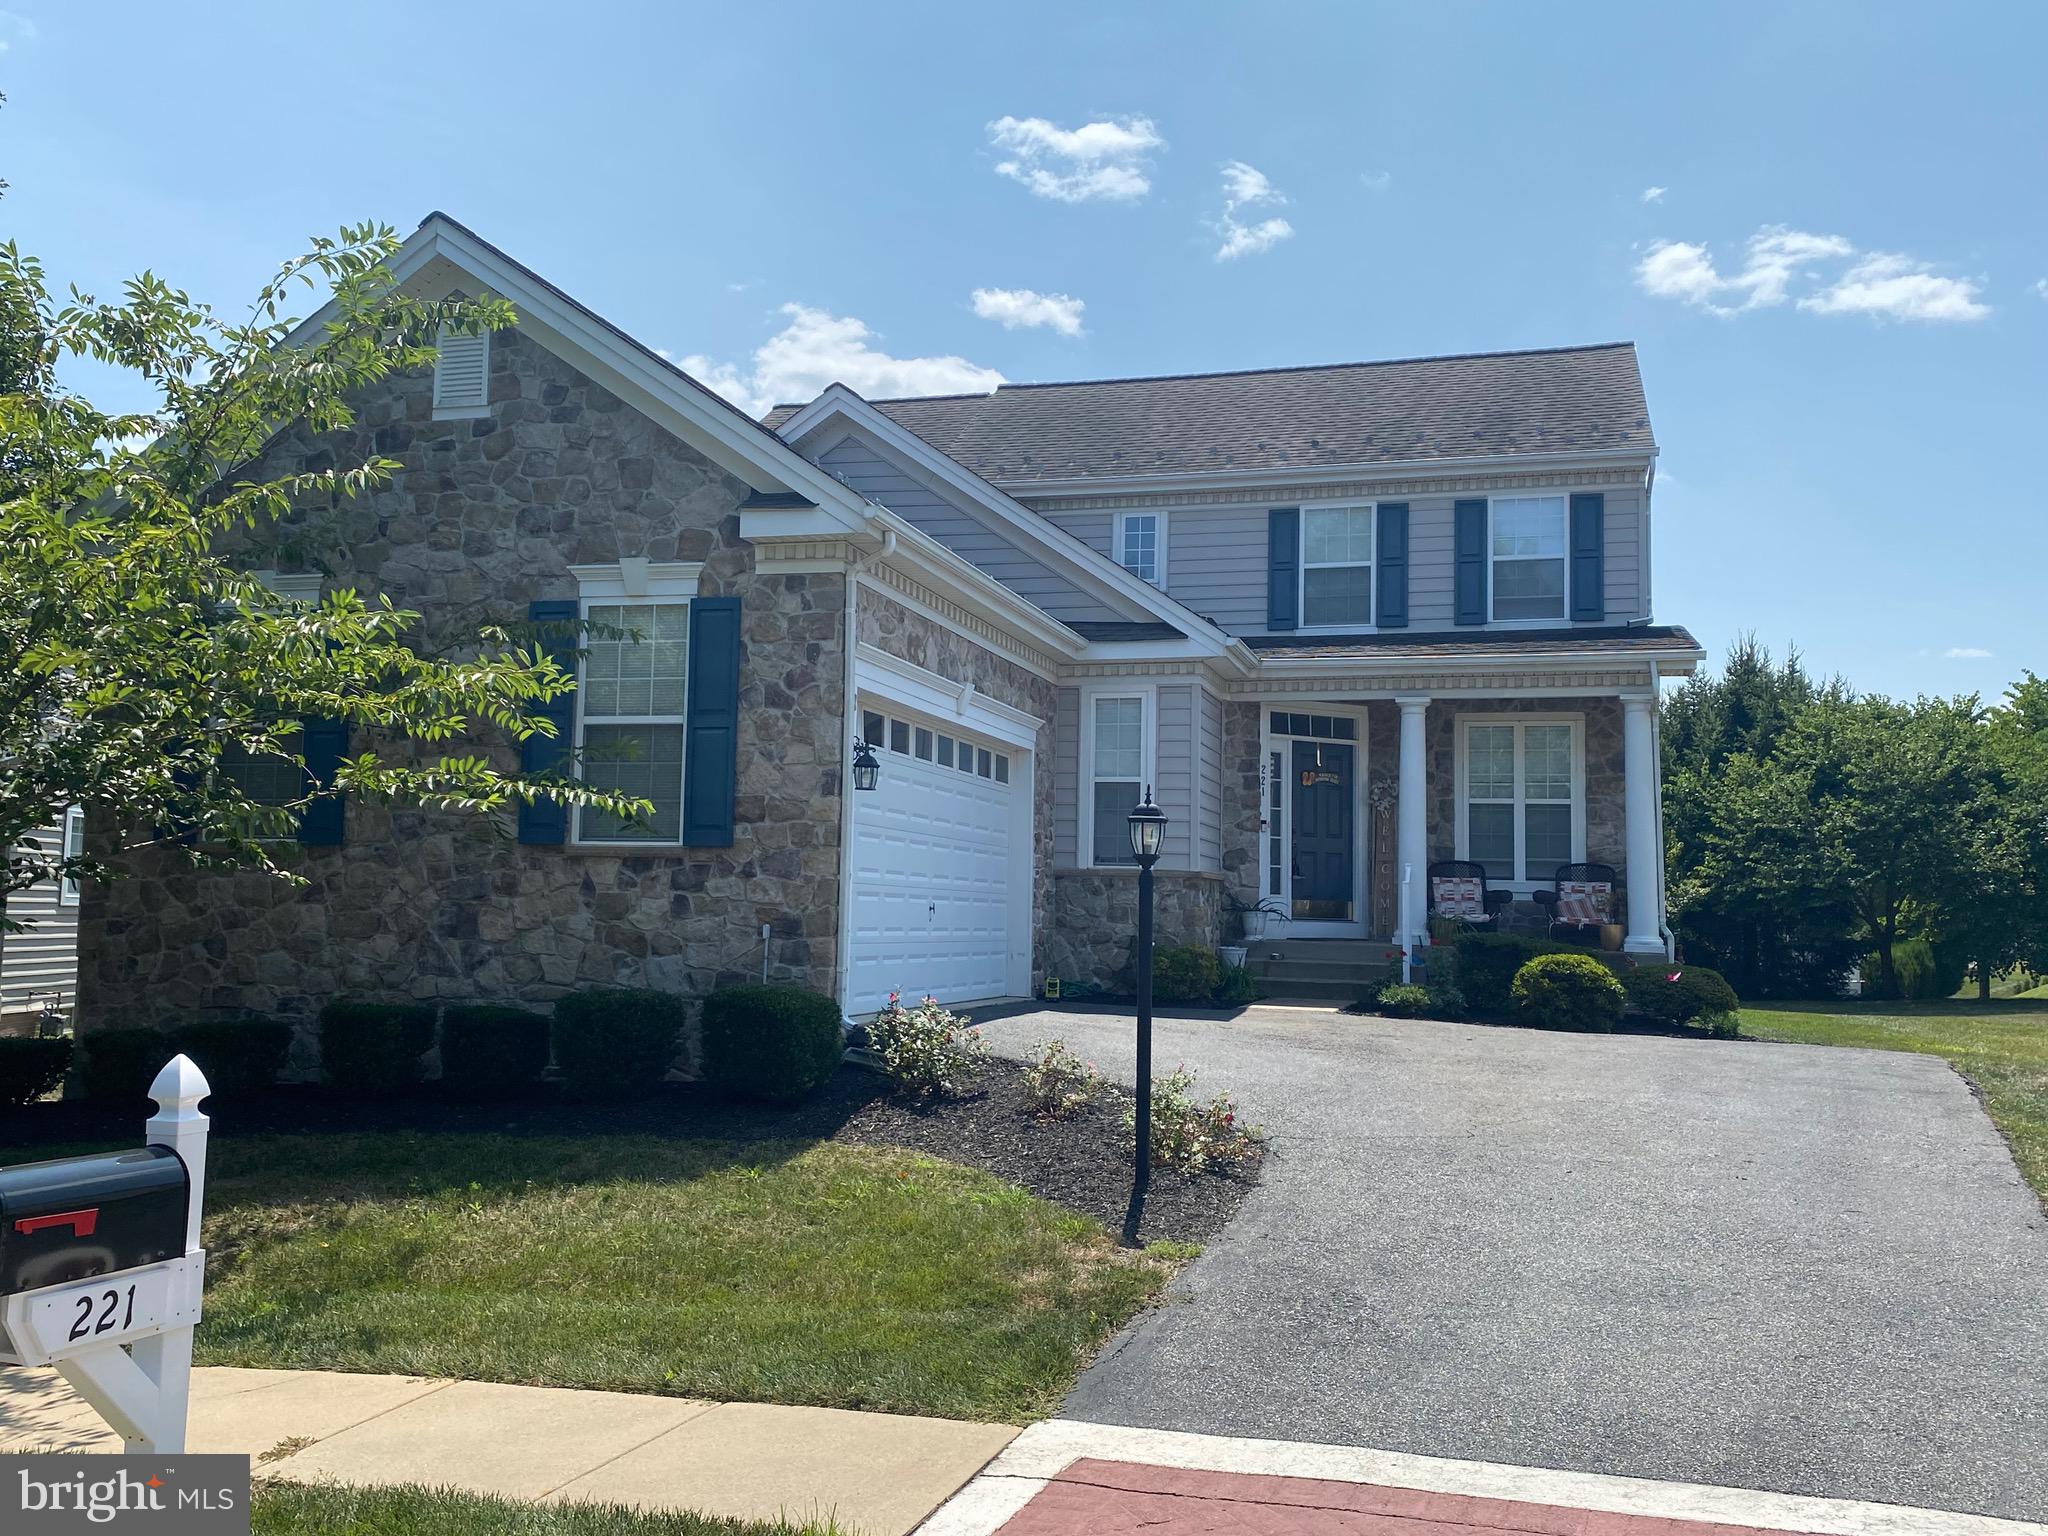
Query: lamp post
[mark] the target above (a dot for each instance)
(1148, 828)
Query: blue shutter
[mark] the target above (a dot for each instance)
(1589, 555)
(1470, 561)
(1390, 565)
(711, 733)
(1283, 574)
(545, 820)
(323, 744)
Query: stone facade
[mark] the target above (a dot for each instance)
(484, 516)
(905, 633)
(1095, 921)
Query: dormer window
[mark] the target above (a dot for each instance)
(462, 375)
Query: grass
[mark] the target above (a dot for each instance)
(779, 1272)
(290, 1509)
(2000, 1046)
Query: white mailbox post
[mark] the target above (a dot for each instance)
(123, 1338)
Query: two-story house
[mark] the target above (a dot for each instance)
(1343, 621)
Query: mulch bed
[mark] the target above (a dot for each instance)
(1083, 1163)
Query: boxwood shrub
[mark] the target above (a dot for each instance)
(374, 1050)
(491, 1050)
(770, 1042)
(615, 1042)
(30, 1068)
(1484, 967)
(118, 1065)
(1678, 994)
(238, 1055)
(1569, 992)
(1185, 973)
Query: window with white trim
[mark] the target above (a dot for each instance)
(630, 701)
(1528, 557)
(1141, 545)
(74, 847)
(1336, 566)
(462, 373)
(1521, 808)
(1116, 750)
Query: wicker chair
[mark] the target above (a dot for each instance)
(1494, 902)
(1583, 874)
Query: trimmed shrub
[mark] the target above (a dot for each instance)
(30, 1068)
(120, 1064)
(239, 1056)
(1484, 966)
(490, 1050)
(770, 1042)
(616, 1042)
(1185, 973)
(373, 1050)
(1238, 986)
(1397, 999)
(1569, 992)
(1678, 994)
(929, 1050)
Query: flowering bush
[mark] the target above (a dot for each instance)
(931, 1051)
(1059, 1084)
(1189, 1135)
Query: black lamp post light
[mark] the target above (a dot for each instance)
(1148, 830)
(866, 766)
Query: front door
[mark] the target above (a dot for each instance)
(1325, 793)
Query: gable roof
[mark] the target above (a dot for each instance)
(1565, 400)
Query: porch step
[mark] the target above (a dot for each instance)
(1323, 951)
(1337, 971)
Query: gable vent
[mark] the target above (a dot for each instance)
(462, 372)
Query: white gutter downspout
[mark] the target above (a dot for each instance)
(1663, 908)
(850, 725)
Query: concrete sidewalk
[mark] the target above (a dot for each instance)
(877, 1474)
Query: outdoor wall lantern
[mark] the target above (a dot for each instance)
(866, 766)
(1148, 829)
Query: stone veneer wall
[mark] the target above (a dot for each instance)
(484, 516)
(1244, 813)
(904, 632)
(1606, 841)
(1095, 920)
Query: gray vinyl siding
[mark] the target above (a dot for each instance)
(1216, 559)
(1209, 776)
(1174, 767)
(1066, 779)
(44, 956)
(861, 465)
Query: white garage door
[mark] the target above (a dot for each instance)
(931, 866)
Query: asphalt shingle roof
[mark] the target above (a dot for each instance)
(1568, 399)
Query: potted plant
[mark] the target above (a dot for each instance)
(1257, 915)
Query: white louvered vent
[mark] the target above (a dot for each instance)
(462, 372)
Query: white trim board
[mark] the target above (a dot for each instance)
(884, 676)
(1047, 1449)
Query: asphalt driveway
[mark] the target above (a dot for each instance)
(1792, 1268)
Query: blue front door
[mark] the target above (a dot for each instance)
(1325, 874)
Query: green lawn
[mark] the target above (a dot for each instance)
(288, 1509)
(2000, 1046)
(770, 1272)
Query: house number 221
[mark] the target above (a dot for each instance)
(112, 1300)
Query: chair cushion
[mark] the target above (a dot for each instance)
(1458, 896)
(1584, 901)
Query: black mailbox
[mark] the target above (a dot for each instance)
(75, 1217)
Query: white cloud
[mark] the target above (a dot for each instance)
(1105, 161)
(1376, 181)
(1966, 653)
(18, 25)
(2041, 286)
(1876, 283)
(817, 348)
(1654, 194)
(1016, 307)
(1246, 187)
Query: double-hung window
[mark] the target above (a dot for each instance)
(1522, 797)
(635, 665)
(1116, 751)
(1336, 566)
(1528, 557)
(1141, 545)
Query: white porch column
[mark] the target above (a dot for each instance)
(1411, 844)
(1639, 787)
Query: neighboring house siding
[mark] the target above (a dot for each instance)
(861, 465)
(43, 957)
(1209, 776)
(1216, 557)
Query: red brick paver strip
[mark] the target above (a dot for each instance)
(1112, 1498)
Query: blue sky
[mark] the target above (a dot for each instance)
(1840, 290)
